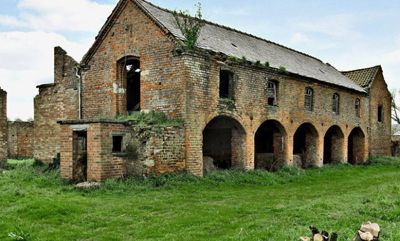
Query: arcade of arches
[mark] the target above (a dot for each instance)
(225, 142)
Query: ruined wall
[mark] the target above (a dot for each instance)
(380, 136)
(57, 101)
(251, 108)
(145, 150)
(3, 125)
(162, 86)
(20, 139)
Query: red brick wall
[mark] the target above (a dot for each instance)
(58, 101)
(162, 84)
(3, 125)
(380, 136)
(20, 139)
(251, 110)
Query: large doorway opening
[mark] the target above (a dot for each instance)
(305, 146)
(356, 147)
(333, 145)
(223, 144)
(79, 157)
(269, 143)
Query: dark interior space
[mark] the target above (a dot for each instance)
(80, 156)
(305, 144)
(132, 68)
(333, 145)
(223, 141)
(356, 145)
(269, 146)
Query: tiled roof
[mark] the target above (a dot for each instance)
(363, 77)
(231, 42)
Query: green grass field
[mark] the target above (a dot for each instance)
(230, 205)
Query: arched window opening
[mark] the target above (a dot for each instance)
(336, 104)
(129, 75)
(272, 93)
(309, 99)
(358, 108)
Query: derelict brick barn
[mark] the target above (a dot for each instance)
(275, 106)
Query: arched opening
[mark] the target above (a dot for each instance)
(356, 147)
(305, 146)
(223, 144)
(269, 143)
(129, 79)
(333, 145)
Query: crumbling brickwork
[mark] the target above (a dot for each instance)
(20, 139)
(144, 150)
(56, 101)
(3, 125)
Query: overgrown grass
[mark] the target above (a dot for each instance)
(226, 205)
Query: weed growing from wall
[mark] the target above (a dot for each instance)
(190, 26)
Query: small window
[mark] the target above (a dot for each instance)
(309, 99)
(336, 104)
(117, 144)
(225, 84)
(272, 93)
(358, 107)
(380, 113)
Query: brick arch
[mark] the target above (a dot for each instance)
(306, 145)
(334, 149)
(224, 143)
(356, 146)
(270, 145)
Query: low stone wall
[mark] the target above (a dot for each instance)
(20, 139)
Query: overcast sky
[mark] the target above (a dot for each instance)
(347, 34)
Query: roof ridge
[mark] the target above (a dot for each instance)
(349, 71)
(236, 30)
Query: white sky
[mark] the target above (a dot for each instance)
(347, 34)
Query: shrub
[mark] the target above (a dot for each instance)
(190, 26)
(152, 118)
(282, 70)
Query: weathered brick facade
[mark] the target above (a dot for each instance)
(380, 136)
(246, 129)
(20, 139)
(56, 101)
(3, 125)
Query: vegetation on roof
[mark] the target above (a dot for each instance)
(152, 118)
(189, 26)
